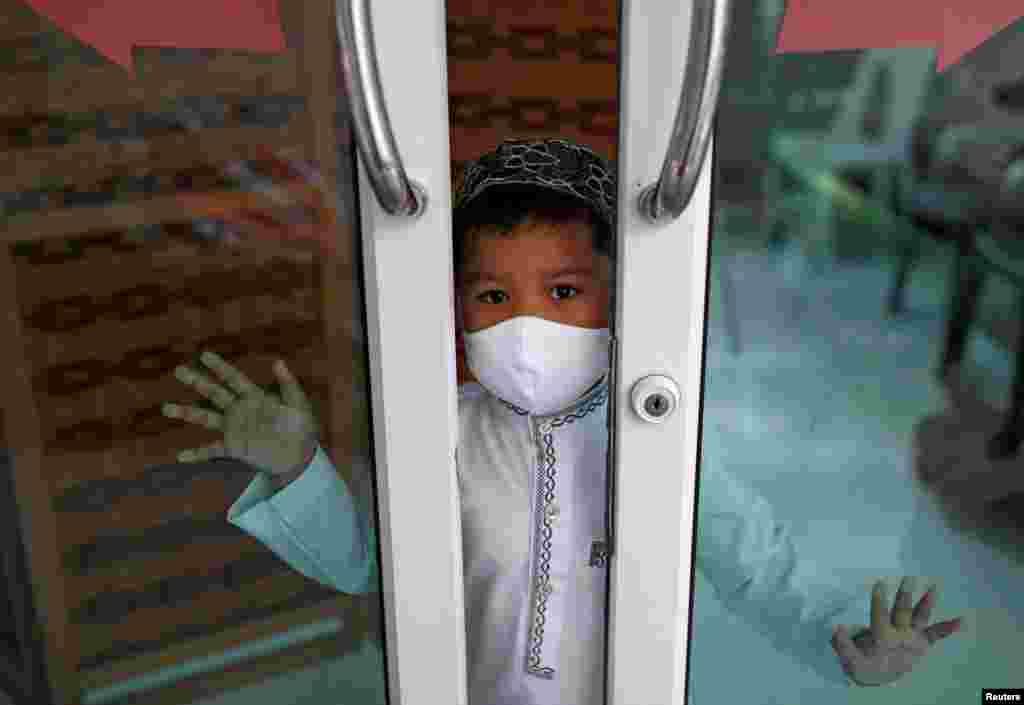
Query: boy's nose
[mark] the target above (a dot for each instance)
(530, 306)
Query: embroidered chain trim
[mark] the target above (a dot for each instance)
(546, 478)
(601, 390)
(521, 412)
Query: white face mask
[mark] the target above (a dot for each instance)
(535, 364)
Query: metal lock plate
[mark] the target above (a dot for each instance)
(655, 398)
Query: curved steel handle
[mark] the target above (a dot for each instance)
(668, 197)
(397, 194)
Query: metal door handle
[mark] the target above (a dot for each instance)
(667, 198)
(396, 192)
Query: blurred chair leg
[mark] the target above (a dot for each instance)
(732, 319)
(820, 240)
(1007, 441)
(908, 255)
(966, 290)
(773, 202)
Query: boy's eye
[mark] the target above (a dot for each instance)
(494, 296)
(565, 291)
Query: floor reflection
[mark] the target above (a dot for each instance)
(879, 468)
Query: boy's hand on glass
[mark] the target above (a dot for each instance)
(274, 434)
(893, 644)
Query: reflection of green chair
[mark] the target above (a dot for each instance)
(936, 197)
(999, 249)
(862, 135)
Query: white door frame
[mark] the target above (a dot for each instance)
(411, 335)
(659, 326)
(659, 330)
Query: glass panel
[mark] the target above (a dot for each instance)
(858, 376)
(204, 200)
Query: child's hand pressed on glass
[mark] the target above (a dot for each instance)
(274, 434)
(894, 644)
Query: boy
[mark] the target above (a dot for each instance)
(533, 228)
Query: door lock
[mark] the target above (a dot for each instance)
(655, 398)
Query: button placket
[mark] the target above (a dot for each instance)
(550, 553)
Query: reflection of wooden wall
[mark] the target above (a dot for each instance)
(105, 286)
(532, 69)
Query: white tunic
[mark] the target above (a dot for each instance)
(533, 497)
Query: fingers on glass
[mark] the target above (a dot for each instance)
(902, 611)
(205, 386)
(878, 608)
(846, 649)
(195, 455)
(923, 611)
(193, 414)
(941, 630)
(291, 390)
(234, 378)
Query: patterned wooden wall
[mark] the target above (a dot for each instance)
(532, 69)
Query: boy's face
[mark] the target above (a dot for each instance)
(539, 269)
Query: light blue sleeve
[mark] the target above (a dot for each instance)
(750, 559)
(314, 525)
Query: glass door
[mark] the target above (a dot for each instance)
(859, 419)
(225, 201)
(670, 65)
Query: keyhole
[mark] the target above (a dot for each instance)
(655, 398)
(656, 405)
